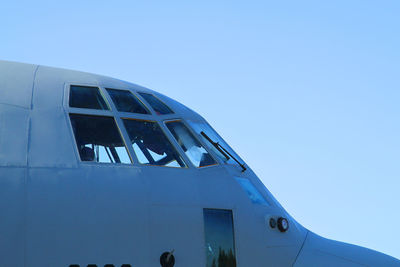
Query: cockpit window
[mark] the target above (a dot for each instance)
(190, 145)
(98, 139)
(150, 144)
(159, 107)
(86, 97)
(125, 101)
(199, 127)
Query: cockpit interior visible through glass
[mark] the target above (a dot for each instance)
(86, 97)
(150, 144)
(98, 139)
(159, 107)
(125, 101)
(196, 153)
(199, 127)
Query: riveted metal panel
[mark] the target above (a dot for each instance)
(12, 219)
(16, 81)
(50, 83)
(51, 141)
(14, 123)
(94, 214)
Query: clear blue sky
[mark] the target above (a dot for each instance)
(307, 92)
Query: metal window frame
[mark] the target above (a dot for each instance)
(194, 136)
(167, 136)
(154, 112)
(134, 96)
(118, 129)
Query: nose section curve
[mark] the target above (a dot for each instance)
(319, 251)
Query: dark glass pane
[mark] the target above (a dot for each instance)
(219, 237)
(190, 145)
(86, 97)
(125, 101)
(98, 139)
(159, 107)
(150, 144)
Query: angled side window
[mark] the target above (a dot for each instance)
(199, 127)
(125, 101)
(98, 139)
(150, 144)
(86, 97)
(190, 145)
(159, 107)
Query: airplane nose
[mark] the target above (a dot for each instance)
(319, 251)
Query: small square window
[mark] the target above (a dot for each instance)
(125, 101)
(86, 97)
(159, 107)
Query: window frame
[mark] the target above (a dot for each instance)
(217, 163)
(94, 112)
(150, 106)
(115, 108)
(118, 118)
(99, 163)
(233, 210)
(175, 146)
(208, 146)
(106, 100)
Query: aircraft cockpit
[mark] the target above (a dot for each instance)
(96, 171)
(119, 127)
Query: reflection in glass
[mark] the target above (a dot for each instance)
(150, 144)
(190, 145)
(125, 101)
(98, 139)
(219, 238)
(159, 107)
(252, 192)
(86, 97)
(198, 127)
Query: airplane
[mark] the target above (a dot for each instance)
(95, 171)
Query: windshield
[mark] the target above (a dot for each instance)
(199, 127)
(190, 145)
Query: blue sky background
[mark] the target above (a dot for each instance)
(307, 92)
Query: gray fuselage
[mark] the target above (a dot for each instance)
(57, 210)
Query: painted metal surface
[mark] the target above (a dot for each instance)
(57, 210)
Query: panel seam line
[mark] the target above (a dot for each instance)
(301, 248)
